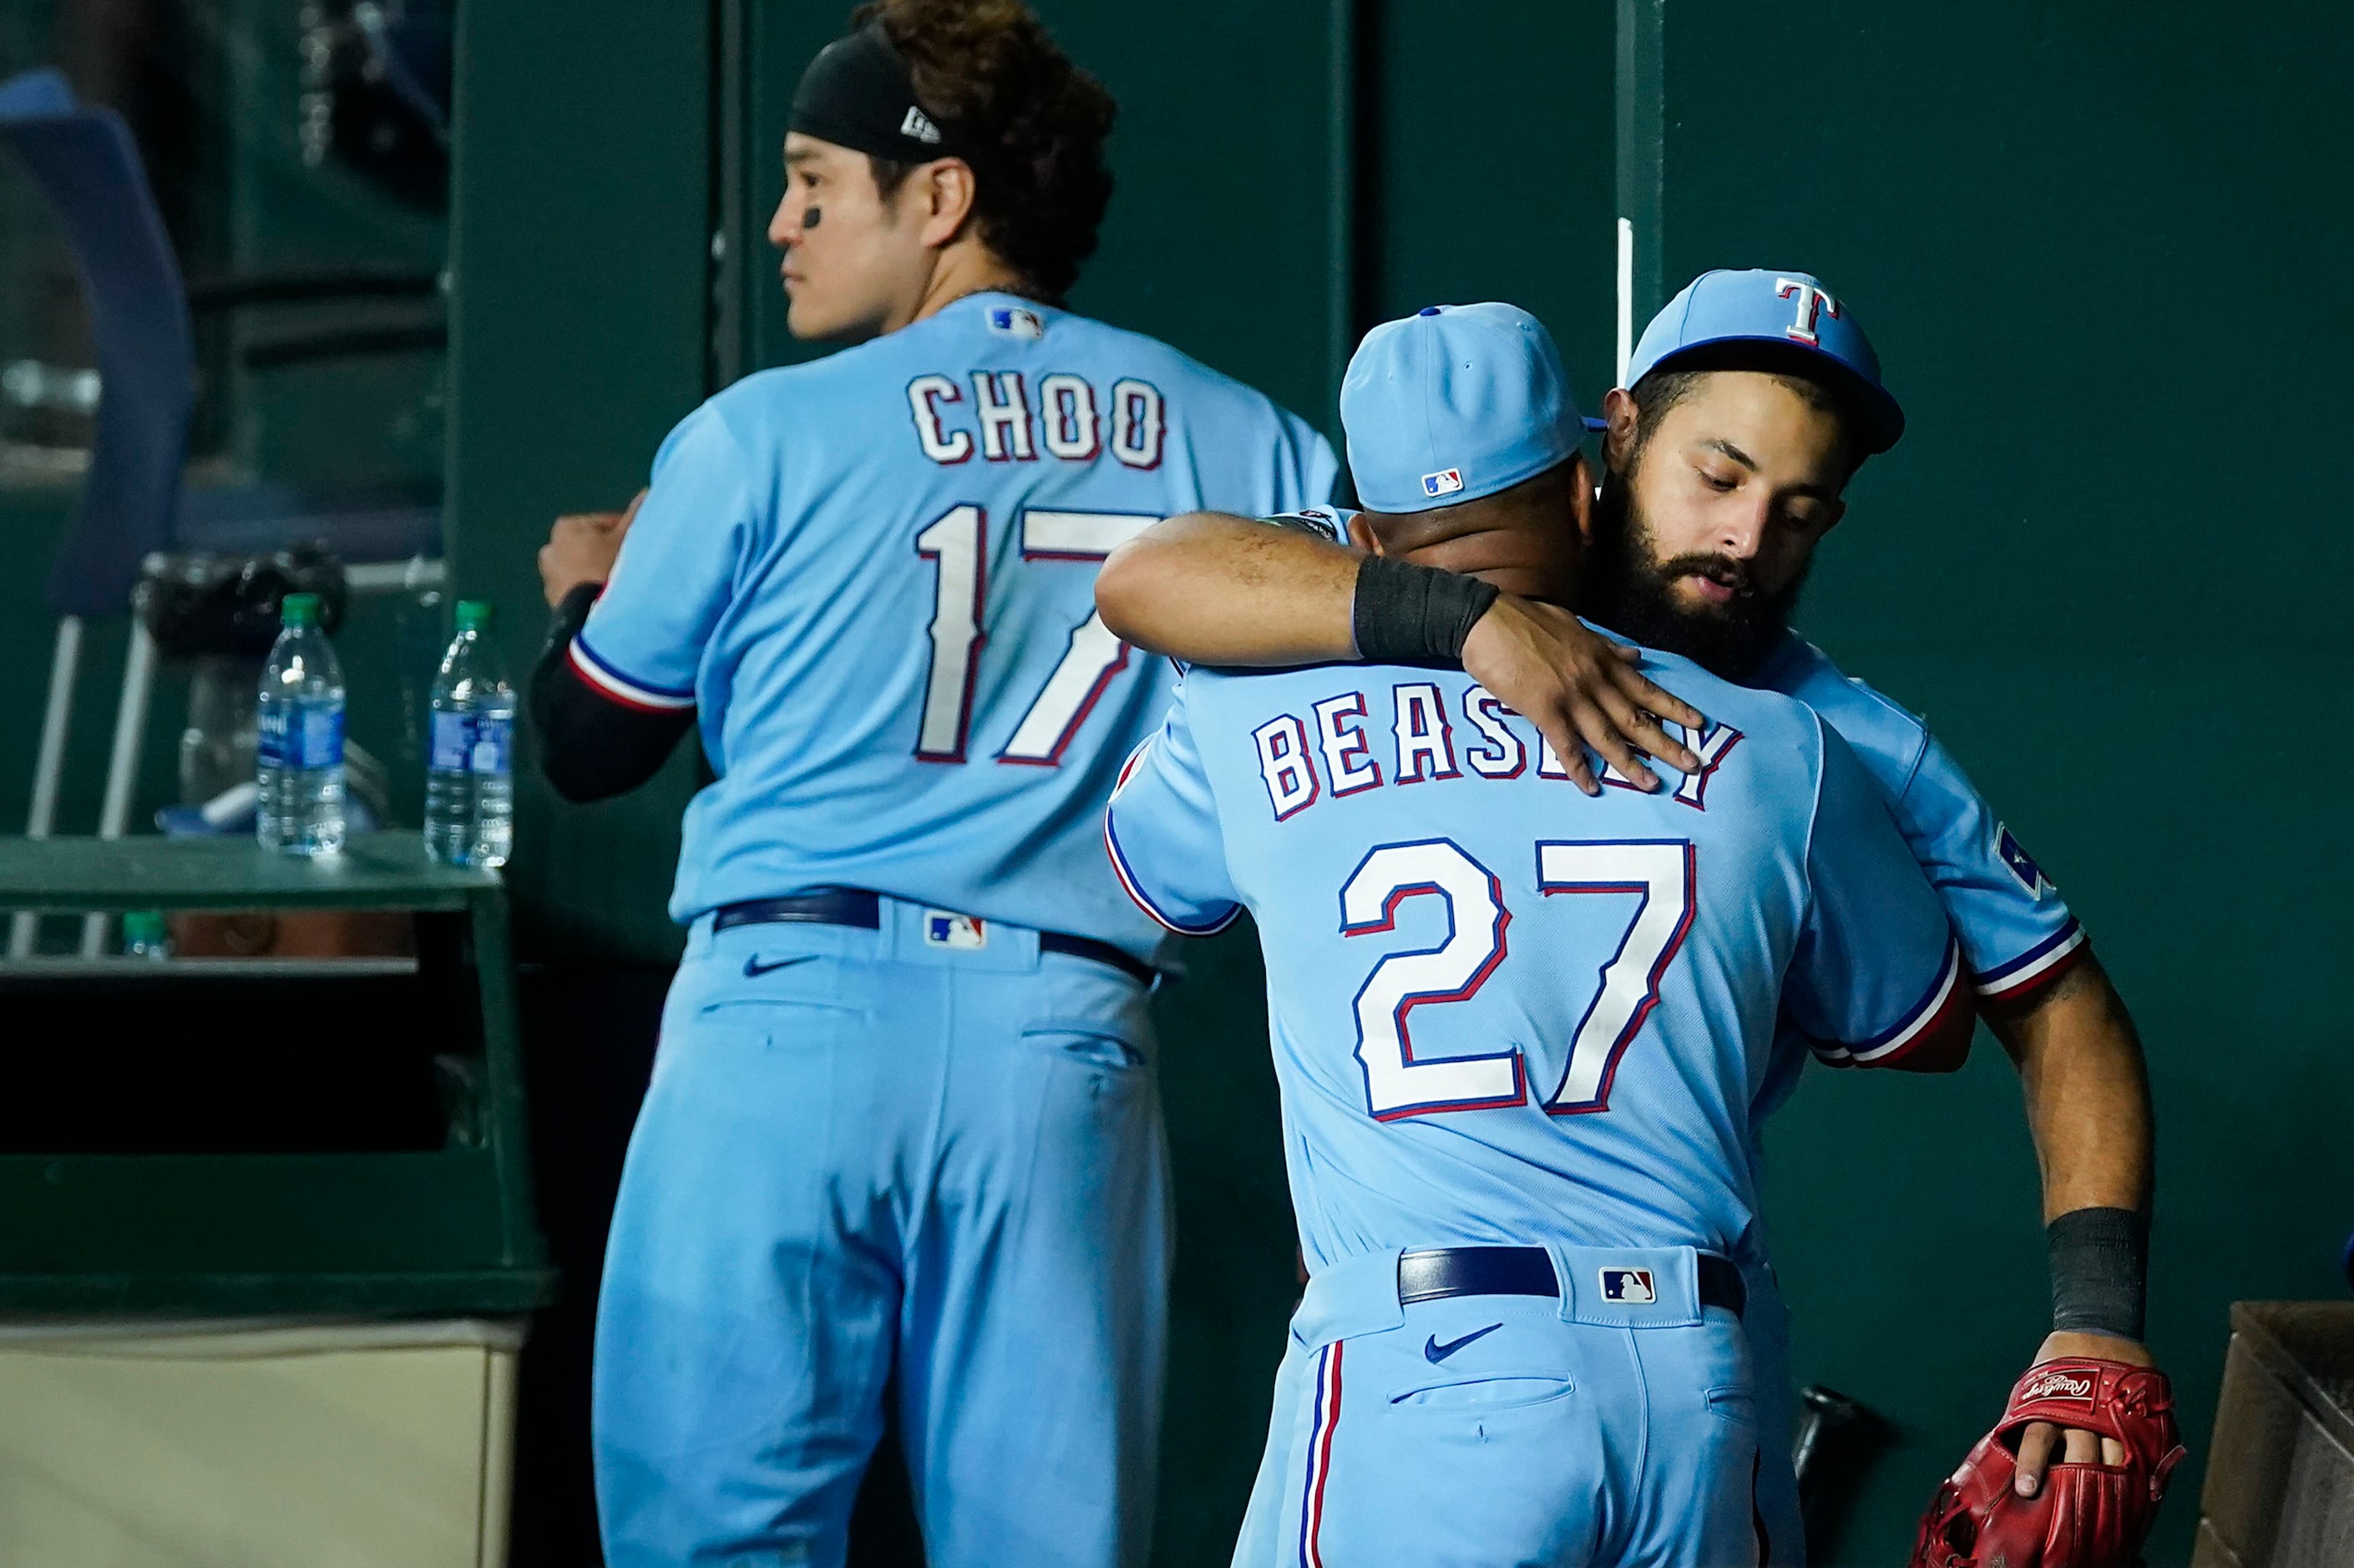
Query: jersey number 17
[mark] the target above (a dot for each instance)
(958, 543)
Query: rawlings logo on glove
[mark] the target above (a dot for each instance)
(2048, 1384)
(2084, 1516)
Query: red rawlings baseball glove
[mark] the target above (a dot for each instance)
(2085, 1516)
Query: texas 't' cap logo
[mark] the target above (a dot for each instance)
(1814, 303)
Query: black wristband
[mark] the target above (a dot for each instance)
(2100, 1265)
(1405, 612)
(571, 613)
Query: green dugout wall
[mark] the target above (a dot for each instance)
(2102, 563)
(2098, 248)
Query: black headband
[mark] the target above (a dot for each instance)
(858, 94)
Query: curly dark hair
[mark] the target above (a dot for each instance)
(991, 67)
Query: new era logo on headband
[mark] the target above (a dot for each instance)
(919, 125)
(1445, 481)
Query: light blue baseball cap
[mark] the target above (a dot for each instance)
(1453, 403)
(1791, 312)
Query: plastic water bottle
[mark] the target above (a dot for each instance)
(146, 935)
(469, 773)
(299, 737)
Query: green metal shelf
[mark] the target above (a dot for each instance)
(446, 1230)
(376, 871)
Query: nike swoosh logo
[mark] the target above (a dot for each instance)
(754, 968)
(1434, 1353)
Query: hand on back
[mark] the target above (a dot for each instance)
(1579, 688)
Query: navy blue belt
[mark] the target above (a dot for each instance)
(856, 906)
(1442, 1272)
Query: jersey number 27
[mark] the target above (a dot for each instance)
(958, 543)
(1658, 872)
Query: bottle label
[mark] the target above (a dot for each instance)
(315, 738)
(491, 754)
(453, 742)
(270, 735)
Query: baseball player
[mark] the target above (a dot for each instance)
(1519, 1032)
(903, 1129)
(1705, 525)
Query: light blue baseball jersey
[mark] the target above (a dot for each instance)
(1503, 1011)
(873, 577)
(2015, 928)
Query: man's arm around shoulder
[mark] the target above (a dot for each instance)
(1221, 591)
(1215, 589)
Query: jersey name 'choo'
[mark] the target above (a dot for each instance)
(1000, 424)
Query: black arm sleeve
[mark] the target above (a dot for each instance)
(591, 745)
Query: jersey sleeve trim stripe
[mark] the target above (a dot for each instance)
(1886, 1047)
(611, 682)
(1128, 878)
(2039, 964)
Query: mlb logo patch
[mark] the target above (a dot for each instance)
(2021, 864)
(1628, 1286)
(1445, 481)
(1014, 322)
(943, 930)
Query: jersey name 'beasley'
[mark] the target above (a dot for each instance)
(1331, 753)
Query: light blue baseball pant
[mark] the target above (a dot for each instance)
(1766, 1320)
(1477, 1430)
(864, 1154)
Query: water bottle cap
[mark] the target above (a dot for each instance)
(299, 609)
(473, 615)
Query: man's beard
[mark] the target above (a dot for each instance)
(1631, 591)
